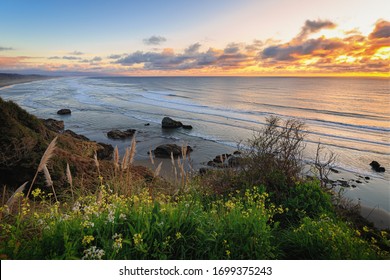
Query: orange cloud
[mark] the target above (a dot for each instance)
(353, 54)
(13, 62)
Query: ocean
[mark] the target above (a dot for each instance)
(349, 116)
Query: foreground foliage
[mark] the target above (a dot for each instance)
(241, 225)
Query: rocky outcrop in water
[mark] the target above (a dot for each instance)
(168, 122)
(165, 150)
(64, 112)
(118, 134)
(377, 167)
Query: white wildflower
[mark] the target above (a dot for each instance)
(93, 253)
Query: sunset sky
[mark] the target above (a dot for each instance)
(197, 37)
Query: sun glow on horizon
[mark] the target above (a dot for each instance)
(320, 47)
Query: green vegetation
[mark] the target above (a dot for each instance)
(263, 209)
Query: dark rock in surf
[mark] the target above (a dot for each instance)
(64, 112)
(118, 134)
(377, 167)
(186, 126)
(167, 122)
(165, 150)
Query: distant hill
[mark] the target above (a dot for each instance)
(7, 79)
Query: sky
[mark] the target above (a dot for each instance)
(196, 37)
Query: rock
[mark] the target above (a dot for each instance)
(374, 164)
(105, 152)
(118, 134)
(184, 126)
(236, 153)
(377, 167)
(64, 112)
(221, 158)
(343, 183)
(367, 178)
(167, 122)
(146, 124)
(54, 125)
(165, 150)
(359, 182)
(75, 135)
(334, 170)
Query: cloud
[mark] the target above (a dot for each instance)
(76, 53)
(115, 56)
(5, 49)
(313, 26)
(312, 47)
(154, 40)
(17, 62)
(234, 55)
(71, 57)
(65, 57)
(192, 49)
(382, 30)
(353, 53)
(96, 59)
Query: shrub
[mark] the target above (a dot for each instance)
(305, 199)
(325, 238)
(274, 155)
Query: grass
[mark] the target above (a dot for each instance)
(225, 214)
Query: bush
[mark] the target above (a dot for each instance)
(325, 238)
(274, 155)
(306, 199)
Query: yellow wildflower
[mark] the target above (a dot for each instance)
(228, 253)
(87, 239)
(137, 238)
(36, 192)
